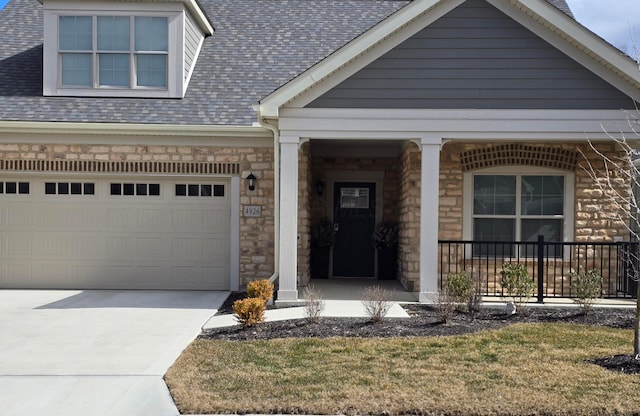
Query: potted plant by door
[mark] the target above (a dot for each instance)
(385, 240)
(323, 237)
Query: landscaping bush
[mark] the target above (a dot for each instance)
(444, 305)
(516, 282)
(261, 289)
(459, 287)
(249, 311)
(376, 303)
(587, 287)
(314, 304)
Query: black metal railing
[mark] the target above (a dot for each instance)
(551, 264)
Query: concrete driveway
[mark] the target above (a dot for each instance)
(94, 352)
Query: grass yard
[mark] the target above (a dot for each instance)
(522, 369)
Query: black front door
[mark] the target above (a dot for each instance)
(354, 217)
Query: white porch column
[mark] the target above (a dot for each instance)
(288, 289)
(429, 203)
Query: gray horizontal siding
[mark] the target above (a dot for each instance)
(475, 57)
(193, 37)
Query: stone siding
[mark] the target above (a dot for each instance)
(304, 215)
(597, 217)
(256, 234)
(409, 211)
(600, 216)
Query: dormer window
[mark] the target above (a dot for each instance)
(147, 51)
(113, 51)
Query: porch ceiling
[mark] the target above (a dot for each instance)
(356, 148)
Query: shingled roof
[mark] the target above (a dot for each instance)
(258, 46)
(562, 5)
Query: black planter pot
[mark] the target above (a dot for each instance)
(388, 263)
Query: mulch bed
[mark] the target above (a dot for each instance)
(425, 322)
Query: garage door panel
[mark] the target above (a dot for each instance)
(101, 241)
(151, 220)
(186, 219)
(19, 245)
(216, 220)
(15, 275)
(149, 246)
(217, 276)
(19, 215)
(119, 247)
(121, 218)
(186, 247)
(216, 249)
(48, 217)
(87, 218)
(211, 277)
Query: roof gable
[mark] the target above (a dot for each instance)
(541, 17)
(477, 57)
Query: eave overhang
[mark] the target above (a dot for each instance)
(126, 129)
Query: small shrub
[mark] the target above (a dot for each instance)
(459, 287)
(249, 311)
(376, 303)
(474, 301)
(587, 287)
(313, 303)
(444, 305)
(261, 289)
(516, 282)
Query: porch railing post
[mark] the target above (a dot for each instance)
(540, 269)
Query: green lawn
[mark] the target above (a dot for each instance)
(522, 369)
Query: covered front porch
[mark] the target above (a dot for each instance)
(347, 191)
(413, 168)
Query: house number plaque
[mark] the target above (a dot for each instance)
(252, 211)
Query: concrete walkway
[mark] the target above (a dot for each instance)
(94, 352)
(332, 308)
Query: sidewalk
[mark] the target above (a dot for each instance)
(332, 308)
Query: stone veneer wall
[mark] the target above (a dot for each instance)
(596, 218)
(409, 209)
(451, 202)
(256, 234)
(304, 215)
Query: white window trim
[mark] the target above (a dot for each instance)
(569, 196)
(175, 65)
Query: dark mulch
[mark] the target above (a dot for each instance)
(425, 322)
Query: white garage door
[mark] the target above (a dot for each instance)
(116, 233)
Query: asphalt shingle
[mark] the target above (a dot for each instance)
(258, 46)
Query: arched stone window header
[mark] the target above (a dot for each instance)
(519, 154)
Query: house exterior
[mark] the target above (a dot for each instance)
(128, 131)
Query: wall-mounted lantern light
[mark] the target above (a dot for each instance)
(320, 187)
(251, 182)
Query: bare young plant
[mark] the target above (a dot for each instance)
(617, 180)
(475, 299)
(376, 303)
(444, 305)
(313, 303)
